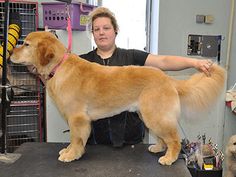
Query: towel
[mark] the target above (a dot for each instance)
(231, 99)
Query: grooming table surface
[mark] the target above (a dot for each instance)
(40, 160)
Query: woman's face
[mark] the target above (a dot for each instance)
(104, 33)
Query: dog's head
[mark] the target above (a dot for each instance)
(39, 49)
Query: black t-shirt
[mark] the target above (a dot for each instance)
(126, 127)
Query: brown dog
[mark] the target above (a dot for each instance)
(85, 91)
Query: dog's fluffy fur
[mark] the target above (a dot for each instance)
(231, 157)
(85, 91)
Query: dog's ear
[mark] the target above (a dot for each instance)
(45, 52)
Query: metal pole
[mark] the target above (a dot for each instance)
(4, 78)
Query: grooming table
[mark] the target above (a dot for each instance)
(40, 160)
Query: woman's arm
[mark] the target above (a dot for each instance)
(176, 63)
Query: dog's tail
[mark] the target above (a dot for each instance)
(200, 91)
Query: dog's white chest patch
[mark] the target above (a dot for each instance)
(133, 107)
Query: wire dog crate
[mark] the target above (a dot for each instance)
(24, 120)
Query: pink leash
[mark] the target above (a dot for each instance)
(69, 44)
(69, 29)
(57, 66)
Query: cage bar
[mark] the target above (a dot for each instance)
(24, 119)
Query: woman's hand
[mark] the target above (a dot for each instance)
(204, 66)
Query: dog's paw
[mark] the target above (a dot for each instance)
(68, 157)
(70, 154)
(156, 148)
(166, 161)
(63, 151)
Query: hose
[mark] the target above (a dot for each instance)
(14, 33)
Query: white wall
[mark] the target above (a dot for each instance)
(176, 22)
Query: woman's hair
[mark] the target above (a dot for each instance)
(103, 12)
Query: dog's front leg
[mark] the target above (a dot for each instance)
(79, 132)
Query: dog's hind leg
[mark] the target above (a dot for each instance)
(79, 132)
(172, 141)
(160, 146)
(159, 113)
(168, 134)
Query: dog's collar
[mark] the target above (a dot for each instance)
(51, 74)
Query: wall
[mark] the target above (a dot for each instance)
(176, 21)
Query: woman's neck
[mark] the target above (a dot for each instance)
(105, 54)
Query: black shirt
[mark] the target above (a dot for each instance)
(126, 127)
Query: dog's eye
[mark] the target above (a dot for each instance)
(234, 143)
(26, 44)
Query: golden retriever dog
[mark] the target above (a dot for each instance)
(84, 91)
(231, 157)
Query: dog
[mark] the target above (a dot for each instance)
(84, 91)
(231, 157)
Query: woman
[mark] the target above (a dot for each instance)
(126, 128)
